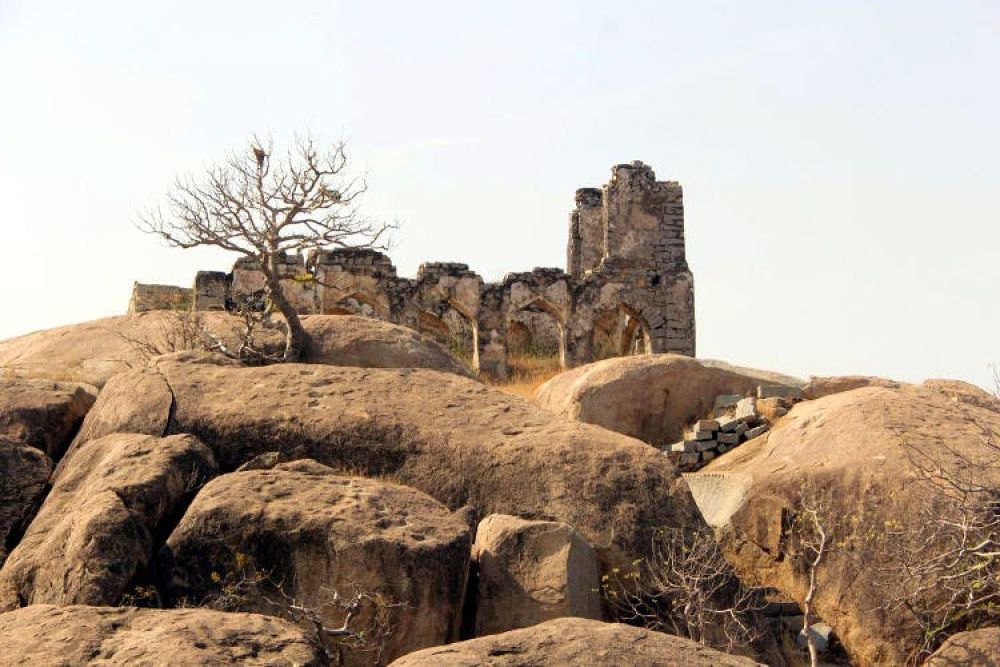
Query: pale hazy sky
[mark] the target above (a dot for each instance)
(841, 160)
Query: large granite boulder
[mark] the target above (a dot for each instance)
(574, 641)
(848, 457)
(821, 386)
(24, 474)
(652, 396)
(49, 636)
(99, 524)
(451, 437)
(320, 536)
(94, 351)
(352, 340)
(530, 572)
(42, 413)
(976, 648)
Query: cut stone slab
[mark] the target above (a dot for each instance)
(746, 409)
(756, 431)
(729, 438)
(707, 425)
(705, 445)
(704, 435)
(531, 572)
(778, 391)
(685, 446)
(727, 402)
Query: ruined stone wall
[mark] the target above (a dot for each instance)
(158, 297)
(627, 288)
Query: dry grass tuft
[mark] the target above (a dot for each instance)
(527, 373)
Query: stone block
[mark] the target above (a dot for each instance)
(722, 449)
(705, 445)
(707, 425)
(684, 446)
(754, 432)
(689, 459)
(726, 401)
(729, 438)
(704, 435)
(779, 391)
(746, 409)
(707, 456)
(732, 425)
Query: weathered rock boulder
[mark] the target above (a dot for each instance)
(94, 351)
(351, 340)
(530, 572)
(24, 472)
(49, 636)
(963, 392)
(99, 524)
(43, 414)
(318, 535)
(451, 437)
(652, 396)
(818, 387)
(967, 649)
(845, 455)
(574, 641)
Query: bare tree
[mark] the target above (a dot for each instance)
(687, 588)
(810, 544)
(264, 207)
(946, 571)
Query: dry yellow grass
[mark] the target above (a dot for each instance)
(527, 373)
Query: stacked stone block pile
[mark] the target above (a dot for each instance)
(736, 419)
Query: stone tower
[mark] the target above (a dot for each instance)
(630, 233)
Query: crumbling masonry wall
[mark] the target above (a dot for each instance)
(627, 288)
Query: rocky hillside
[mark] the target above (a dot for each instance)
(376, 504)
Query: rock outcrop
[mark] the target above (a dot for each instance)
(352, 340)
(92, 352)
(49, 636)
(43, 414)
(651, 397)
(98, 526)
(976, 647)
(530, 572)
(320, 536)
(451, 437)
(818, 387)
(574, 641)
(847, 455)
(24, 473)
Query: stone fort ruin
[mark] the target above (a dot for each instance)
(627, 288)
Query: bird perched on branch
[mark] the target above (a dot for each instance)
(260, 155)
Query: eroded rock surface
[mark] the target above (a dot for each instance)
(50, 636)
(976, 647)
(451, 437)
(24, 472)
(300, 532)
(99, 524)
(574, 641)
(532, 571)
(93, 352)
(43, 414)
(651, 397)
